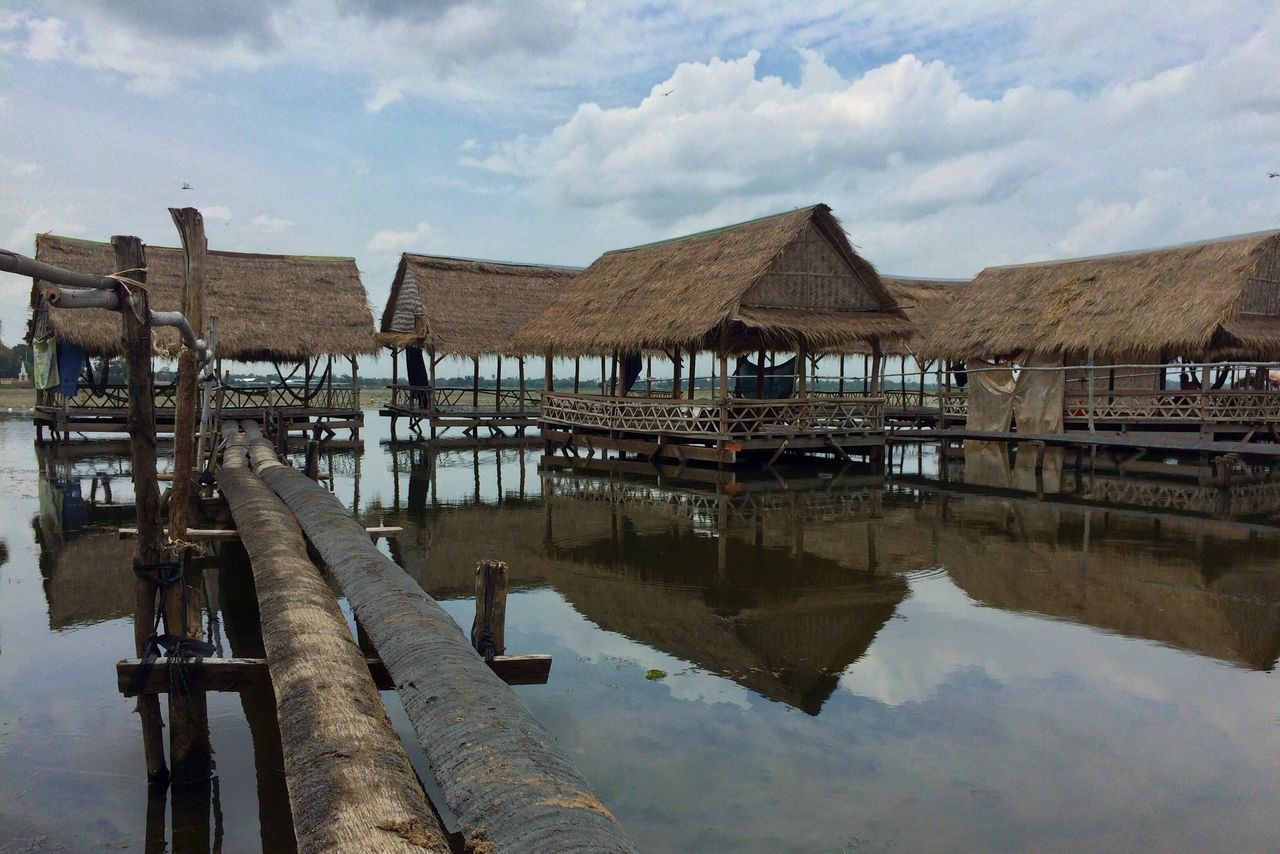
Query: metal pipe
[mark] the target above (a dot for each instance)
(178, 320)
(12, 262)
(82, 298)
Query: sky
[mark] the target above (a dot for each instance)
(946, 135)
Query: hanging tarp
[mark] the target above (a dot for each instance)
(45, 354)
(631, 364)
(990, 397)
(986, 463)
(71, 361)
(779, 380)
(416, 366)
(1037, 400)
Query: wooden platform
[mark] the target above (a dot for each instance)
(1184, 442)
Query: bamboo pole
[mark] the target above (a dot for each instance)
(351, 786)
(149, 549)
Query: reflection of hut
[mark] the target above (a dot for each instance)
(295, 312)
(754, 604)
(1204, 586)
(1125, 340)
(790, 282)
(88, 578)
(445, 307)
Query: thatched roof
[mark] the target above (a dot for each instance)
(924, 301)
(462, 307)
(1220, 296)
(782, 278)
(269, 307)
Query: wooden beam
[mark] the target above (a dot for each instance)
(247, 674)
(377, 532)
(149, 551)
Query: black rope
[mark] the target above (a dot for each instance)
(164, 576)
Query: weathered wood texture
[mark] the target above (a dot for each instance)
(136, 335)
(489, 628)
(351, 786)
(498, 767)
(251, 674)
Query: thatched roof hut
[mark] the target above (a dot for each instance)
(462, 307)
(1219, 296)
(924, 301)
(776, 281)
(269, 307)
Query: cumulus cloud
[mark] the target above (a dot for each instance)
(219, 212)
(270, 224)
(392, 242)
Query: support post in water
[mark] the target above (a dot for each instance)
(149, 550)
(189, 752)
(488, 629)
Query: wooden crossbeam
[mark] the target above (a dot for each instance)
(377, 532)
(244, 674)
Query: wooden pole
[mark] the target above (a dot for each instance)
(874, 379)
(760, 374)
(497, 394)
(548, 381)
(841, 389)
(395, 366)
(801, 355)
(520, 368)
(577, 373)
(676, 364)
(693, 372)
(648, 376)
(350, 783)
(149, 548)
(475, 382)
(488, 628)
(189, 751)
(604, 376)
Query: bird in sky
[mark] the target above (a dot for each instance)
(1273, 174)
(666, 93)
(187, 186)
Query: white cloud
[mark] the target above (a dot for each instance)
(18, 168)
(46, 39)
(223, 213)
(270, 224)
(392, 242)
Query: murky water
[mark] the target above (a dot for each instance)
(1072, 661)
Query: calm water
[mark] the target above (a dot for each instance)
(1015, 662)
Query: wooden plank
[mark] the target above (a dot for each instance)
(1189, 442)
(378, 532)
(246, 674)
(669, 447)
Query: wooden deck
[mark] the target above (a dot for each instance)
(106, 410)
(712, 431)
(1186, 442)
(468, 409)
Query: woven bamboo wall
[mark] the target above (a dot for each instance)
(810, 273)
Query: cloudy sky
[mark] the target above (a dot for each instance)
(946, 135)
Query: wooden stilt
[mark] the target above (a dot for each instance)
(488, 628)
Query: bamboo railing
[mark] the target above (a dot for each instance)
(456, 400)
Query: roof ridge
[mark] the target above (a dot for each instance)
(710, 231)
(464, 260)
(1131, 252)
(225, 253)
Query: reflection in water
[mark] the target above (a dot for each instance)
(1037, 652)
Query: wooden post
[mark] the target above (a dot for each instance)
(874, 379)
(395, 366)
(475, 382)
(648, 376)
(866, 376)
(613, 374)
(497, 393)
(488, 628)
(802, 388)
(520, 368)
(604, 376)
(676, 364)
(577, 373)
(760, 374)
(355, 383)
(548, 381)
(693, 372)
(841, 387)
(313, 460)
(189, 753)
(1091, 390)
(149, 549)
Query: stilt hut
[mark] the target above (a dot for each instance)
(789, 283)
(906, 370)
(1185, 338)
(441, 307)
(292, 314)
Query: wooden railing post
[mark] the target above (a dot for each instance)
(488, 628)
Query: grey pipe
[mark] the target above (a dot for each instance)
(178, 320)
(82, 298)
(12, 262)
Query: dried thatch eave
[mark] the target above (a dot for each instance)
(269, 307)
(925, 301)
(464, 307)
(680, 292)
(1188, 300)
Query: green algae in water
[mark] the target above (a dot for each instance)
(655, 674)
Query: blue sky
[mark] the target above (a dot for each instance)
(946, 135)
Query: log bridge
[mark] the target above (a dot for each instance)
(350, 784)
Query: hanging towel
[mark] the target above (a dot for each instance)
(70, 363)
(45, 351)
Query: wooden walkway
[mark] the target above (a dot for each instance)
(1190, 443)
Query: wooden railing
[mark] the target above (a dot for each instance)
(734, 419)
(1194, 406)
(448, 400)
(116, 397)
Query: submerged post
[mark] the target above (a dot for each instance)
(488, 628)
(148, 553)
